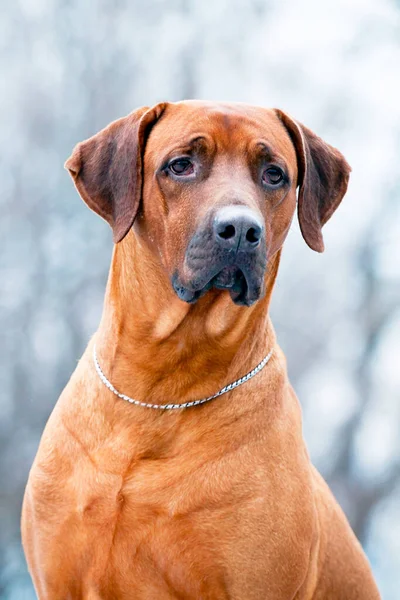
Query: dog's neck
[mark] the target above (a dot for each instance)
(154, 346)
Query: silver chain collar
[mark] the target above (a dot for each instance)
(227, 388)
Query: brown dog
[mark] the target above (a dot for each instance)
(217, 500)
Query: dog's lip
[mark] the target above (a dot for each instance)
(230, 278)
(227, 278)
(186, 294)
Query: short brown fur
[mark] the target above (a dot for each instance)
(220, 500)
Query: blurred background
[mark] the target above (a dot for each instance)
(67, 69)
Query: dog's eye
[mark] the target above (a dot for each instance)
(181, 166)
(273, 176)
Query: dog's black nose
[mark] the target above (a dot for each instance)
(238, 227)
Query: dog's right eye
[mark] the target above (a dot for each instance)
(181, 166)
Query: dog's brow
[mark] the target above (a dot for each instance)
(198, 138)
(193, 140)
(266, 152)
(186, 147)
(191, 143)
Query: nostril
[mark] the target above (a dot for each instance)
(227, 233)
(253, 235)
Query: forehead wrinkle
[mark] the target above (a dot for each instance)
(221, 124)
(240, 132)
(195, 140)
(179, 147)
(264, 150)
(230, 128)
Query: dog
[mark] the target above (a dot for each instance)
(173, 465)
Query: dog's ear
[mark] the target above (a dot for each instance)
(107, 168)
(323, 175)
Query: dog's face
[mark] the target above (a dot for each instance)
(213, 189)
(218, 196)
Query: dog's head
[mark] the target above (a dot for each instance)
(211, 188)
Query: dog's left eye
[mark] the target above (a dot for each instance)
(273, 176)
(181, 166)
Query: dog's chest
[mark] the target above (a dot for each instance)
(215, 552)
(203, 524)
(214, 532)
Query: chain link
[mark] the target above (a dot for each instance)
(224, 390)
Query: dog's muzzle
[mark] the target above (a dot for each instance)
(228, 254)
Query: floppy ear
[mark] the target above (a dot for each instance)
(107, 168)
(322, 180)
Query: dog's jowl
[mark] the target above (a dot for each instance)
(173, 465)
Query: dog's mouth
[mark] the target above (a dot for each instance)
(230, 278)
(210, 263)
